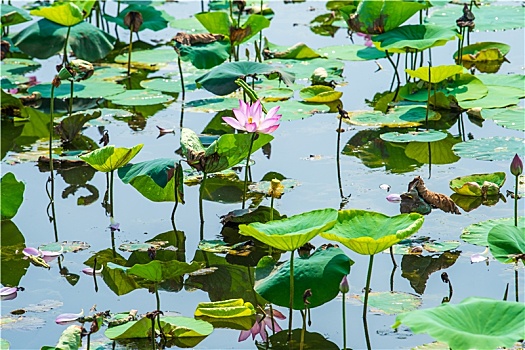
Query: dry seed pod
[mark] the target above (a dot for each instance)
(133, 20)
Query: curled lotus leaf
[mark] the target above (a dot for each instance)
(477, 233)
(479, 185)
(485, 51)
(109, 158)
(225, 309)
(507, 243)
(414, 37)
(320, 94)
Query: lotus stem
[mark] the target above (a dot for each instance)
(392, 256)
(392, 274)
(367, 288)
(245, 188)
(111, 194)
(272, 318)
(338, 157)
(344, 321)
(179, 62)
(201, 189)
(95, 274)
(303, 329)
(71, 99)
(395, 68)
(88, 340)
(64, 59)
(153, 333)
(130, 47)
(395, 72)
(429, 160)
(291, 296)
(52, 175)
(178, 169)
(428, 95)
(516, 201)
(516, 285)
(367, 336)
(506, 294)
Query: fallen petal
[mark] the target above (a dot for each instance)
(46, 253)
(47, 258)
(393, 198)
(385, 187)
(166, 131)
(6, 291)
(67, 318)
(89, 271)
(31, 251)
(476, 258)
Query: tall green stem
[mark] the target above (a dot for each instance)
(337, 156)
(516, 288)
(179, 62)
(64, 59)
(111, 195)
(130, 47)
(52, 176)
(367, 288)
(201, 189)
(291, 296)
(71, 99)
(344, 321)
(516, 202)
(245, 188)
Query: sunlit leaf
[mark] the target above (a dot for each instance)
(69, 340)
(158, 271)
(320, 94)
(205, 56)
(414, 136)
(110, 158)
(484, 51)
(511, 118)
(392, 303)
(437, 74)
(65, 14)
(12, 195)
(440, 246)
(414, 37)
(477, 233)
(225, 309)
(351, 52)
(491, 148)
(478, 184)
(507, 243)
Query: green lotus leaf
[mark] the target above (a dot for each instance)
(158, 271)
(485, 51)
(369, 233)
(375, 17)
(209, 105)
(166, 85)
(69, 340)
(140, 98)
(220, 23)
(439, 152)
(44, 39)
(475, 323)
(12, 15)
(351, 52)
(437, 74)
(488, 17)
(417, 269)
(320, 94)
(225, 309)
(497, 97)
(66, 14)
(478, 184)
(322, 272)
(507, 243)
(303, 69)
(491, 148)
(148, 59)
(399, 117)
(109, 158)
(392, 303)
(477, 233)
(140, 247)
(12, 195)
(65, 246)
(275, 94)
(299, 51)
(444, 246)
(295, 110)
(191, 25)
(86, 89)
(18, 66)
(293, 232)
(155, 179)
(510, 80)
(13, 243)
(221, 80)
(205, 56)
(184, 327)
(215, 22)
(152, 18)
(414, 136)
(416, 37)
(511, 118)
(4, 344)
(131, 329)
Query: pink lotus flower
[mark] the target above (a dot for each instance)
(367, 38)
(251, 118)
(261, 322)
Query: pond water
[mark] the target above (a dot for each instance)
(303, 150)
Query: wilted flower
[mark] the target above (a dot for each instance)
(344, 287)
(276, 189)
(67, 318)
(251, 118)
(261, 322)
(133, 20)
(516, 167)
(80, 69)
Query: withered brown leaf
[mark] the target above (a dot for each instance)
(191, 39)
(437, 200)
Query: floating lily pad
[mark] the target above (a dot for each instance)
(444, 246)
(511, 118)
(12, 195)
(148, 59)
(221, 247)
(351, 52)
(414, 136)
(478, 184)
(294, 110)
(392, 303)
(488, 17)
(416, 37)
(303, 69)
(18, 65)
(86, 89)
(485, 51)
(320, 94)
(474, 323)
(209, 105)
(492, 148)
(23, 323)
(43, 306)
(191, 25)
(64, 247)
(264, 186)
(140, 247)
(140, 98)
(463, 88)
(109, 158)
(225, 309)
(477, 233)
(510, 80)
(496, 97)
(275, 94)
(166, 85)
(507, 243)
(399, 117)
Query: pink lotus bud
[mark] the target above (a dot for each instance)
(516, 167)
(343, 286)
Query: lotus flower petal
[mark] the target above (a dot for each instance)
(8, 293)
(251, 118)
(476, 258)
(393, 198)
(89, 271)
(31, 251)
(68, 318)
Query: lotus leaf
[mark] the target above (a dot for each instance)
(4, 344)
(303, 69)
(151, 17)
(205, 56)
(12, 15)
(351, 52)
(299, 51)
(18, 66)
(321, 273)
(293, 109)
(475, 323)
(477, 233)
(220, 23)
(140, 247)
(65, 14)
(69, 340)
(148, 59)
(64, 247)
(399, 117)
(376, 17)
(439, 152)
(158, 271)
(437, 74)
(511, 118)
(497, 97)
(293, 232)
(87, 41)
(12, 195)
(221, 80)
(225, 309)
(510, 80)
(369, 233)
(414, 136)
(507, 243)
(275, 94)
(488, 17)
(491, 148)
(87, 89)
(469, 203)
(155, 179)
(392, 303)
(191, 25)
(416, 37)
(166, 85)
(110, 158)
(140, 98)
(440, 246)
(485, 51)
(13, 242)
(320, 94)
(478, 184)
(172, 327)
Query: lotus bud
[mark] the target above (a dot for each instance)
(133, 20)
(276, 189)
(516, 167)
(344, 287)
(81, 69)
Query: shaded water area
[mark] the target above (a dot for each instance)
(304, 150)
